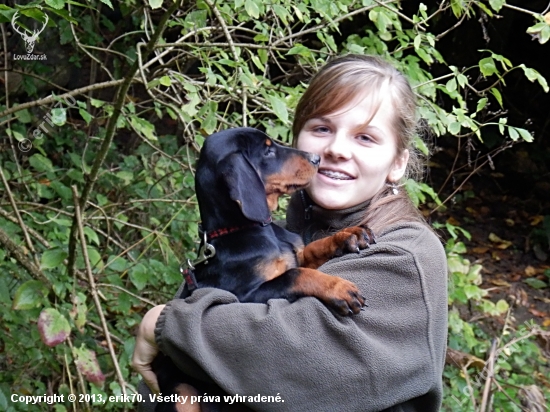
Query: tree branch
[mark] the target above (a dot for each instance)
(52, 98)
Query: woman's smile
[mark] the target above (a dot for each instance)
(334, 174)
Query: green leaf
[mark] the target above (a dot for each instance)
(165, 81)
(279, 107)
(496, 5)
(210, 122)
(417, 41)
(139, 275)
(155, 4)
(59, 116)
(86, 116)
(495, 92)
(97, 103)
(454, 128)
(457, 7)
(300, 49)
(525, 135)
(487, 66)
(536, 283)
(41, 163)
(56, 4)
(282, 13)
(502, 306)
(79, 310)
(52, 258)
(86, 362)
(421, 145)
(91, 235)
(108, 3)
(126, 176)
(29, 295)
(24, 116)
(144, 127)
(53, 327)
(118, 264)
(540, 31)
(481, 104)
(95, 257)
(252, 9)
(514, 135)
(257, 62)
(534, 75)
(451, 85)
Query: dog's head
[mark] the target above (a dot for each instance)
(247, 167)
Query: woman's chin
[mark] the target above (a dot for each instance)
(329, 199)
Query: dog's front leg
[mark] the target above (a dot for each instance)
(348, 240)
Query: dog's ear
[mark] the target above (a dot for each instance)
(245, 187)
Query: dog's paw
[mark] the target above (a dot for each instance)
(352, 240)
(345, 298)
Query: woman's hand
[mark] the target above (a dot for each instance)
(146, 348)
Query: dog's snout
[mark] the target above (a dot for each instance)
(314, 159)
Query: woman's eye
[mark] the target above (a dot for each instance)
(365, 138)
(321, 129)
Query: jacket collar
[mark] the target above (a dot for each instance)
(313, 222)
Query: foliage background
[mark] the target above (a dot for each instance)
(99, 140)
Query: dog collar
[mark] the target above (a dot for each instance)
(207, 251)
(227, 230)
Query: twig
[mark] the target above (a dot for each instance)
(32, 232)
(18, 216)
(80, 377)
(100, 329)
(532, 13)
(52, 98)
(144, 300)
(19, 255)
(469, 383)
(71, 387)
(490, 377)
(93, 289)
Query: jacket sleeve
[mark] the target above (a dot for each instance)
(390, 354)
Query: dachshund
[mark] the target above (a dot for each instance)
(240, 175)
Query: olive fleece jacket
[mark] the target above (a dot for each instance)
(390, 357)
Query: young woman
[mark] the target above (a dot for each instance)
(358, 114)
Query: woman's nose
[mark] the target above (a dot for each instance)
(339, 147)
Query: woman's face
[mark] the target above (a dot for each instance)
(357, 159)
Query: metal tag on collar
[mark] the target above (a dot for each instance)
(206, 251)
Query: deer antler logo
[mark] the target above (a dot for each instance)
(29, 40)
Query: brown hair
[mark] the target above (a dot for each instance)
(346, 78)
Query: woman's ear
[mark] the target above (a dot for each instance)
(399, 166)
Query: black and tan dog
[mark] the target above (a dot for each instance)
(240, 175)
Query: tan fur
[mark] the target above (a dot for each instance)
(271, 268)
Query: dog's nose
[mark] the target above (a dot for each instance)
(314, 159)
